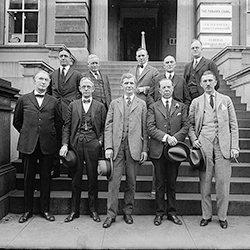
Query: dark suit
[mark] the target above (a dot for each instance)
(159, 124)
(66, 91)
(38, 128)
(204, 65)
(88, 150)
(145, 79)
(180, 93)
(106, 86)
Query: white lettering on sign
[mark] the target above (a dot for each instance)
(215, 26)
(211, 11)
(216, 41)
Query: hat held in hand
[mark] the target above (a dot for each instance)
(197, 159)
(71, 160)
(178, 153)
(106, 168)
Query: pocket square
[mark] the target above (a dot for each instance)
(178, 114)
(223, 107)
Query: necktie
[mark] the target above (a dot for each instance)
(41, 96)
(97, 76)
(170, 77)
(128, 101)
(167, 107)
(195, 63)
(86, 100)
(212, 101)
(141, 65)
(63, 72)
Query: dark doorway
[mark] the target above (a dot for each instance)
(131, 37)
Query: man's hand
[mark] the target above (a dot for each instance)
(196, 144)
(144, 157)
(234, 153)
(172, 141)
(63, 151)
(109, 153)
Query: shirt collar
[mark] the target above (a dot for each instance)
(91, 98)
(169, 100)
(167, 74)
(94, 73)
(198, 59)
(36, 93)
(66, 68)
(208, 96)
(131, 97)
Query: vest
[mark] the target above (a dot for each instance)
(86, 132)
(126, 120)
(210, 122)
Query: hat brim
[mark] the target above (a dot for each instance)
(202, 165)
(66, 162)
(176, 158)
(106, 168)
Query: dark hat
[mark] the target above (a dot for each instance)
(178, 153)
(71, 160)
(106, 168)
(197, 159)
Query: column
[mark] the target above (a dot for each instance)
(185, 29)
(99, 29)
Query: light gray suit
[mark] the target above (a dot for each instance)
(217, 150)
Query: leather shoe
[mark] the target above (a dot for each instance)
(223, 224)
(25, 216)
(72, 216)
(128, 218)
(95, 216)
(205, 222)
(157, 220)
(174, 219)
(48, 216)
(55, 174)
(108, 222)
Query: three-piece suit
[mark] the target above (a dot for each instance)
(159, 123)
(217, 131)
(39, 128)
(125, 133)
(84, 132)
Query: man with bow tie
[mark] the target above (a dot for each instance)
(83, 131)
(125, 141)
(37, 118)
(214, 128)
(102, 91)
(144, 73)
(167, 124)
(195, 69)
(64, 87)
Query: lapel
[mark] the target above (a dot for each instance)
(45, 101)
(174, 106)
(175, 80)
(79, 108)
(69, 73)
(120, 104)
(161, 108)
(134, 104)
(33, 100)
(201, 107)
(93, 108)
(218, 101)
(200, 64)
(144, 72)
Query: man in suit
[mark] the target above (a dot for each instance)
(180, 93)
(145, 74)
(102, 91)
(125, 141)
(195, 69)
(83, 130)
(167, 124)
(37, 118)
(214, 128)
(64, 86)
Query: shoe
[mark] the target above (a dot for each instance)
(128, 218)
(205, 222)
(95, 216)
(25, 216)
(55, 174)
(223, 224)
(174, 219)
(108, 222)
(48, 216)
(157, 220)
(72, 216)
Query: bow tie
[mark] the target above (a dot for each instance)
(141, 65)
(86, 100)
(41, 96)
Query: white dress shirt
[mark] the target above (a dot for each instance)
(86, 106)
(39, 99)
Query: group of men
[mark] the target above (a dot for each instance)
(155, 112)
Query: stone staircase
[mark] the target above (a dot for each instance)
(188, 197)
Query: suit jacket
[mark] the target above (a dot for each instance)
(204, 65)
(137, 134)
(180, 93)
(69, 92)
(37, 123)
(157, 123)
(74, 119)
(146, 79)
(227, 122)
(105, 83)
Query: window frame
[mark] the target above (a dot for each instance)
(22, 10)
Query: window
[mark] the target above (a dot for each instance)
(22, 21)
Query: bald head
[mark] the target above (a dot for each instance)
(169, 63)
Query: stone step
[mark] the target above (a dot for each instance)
(187, 204)
(185, 184)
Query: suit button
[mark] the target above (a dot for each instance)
(165, 126)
